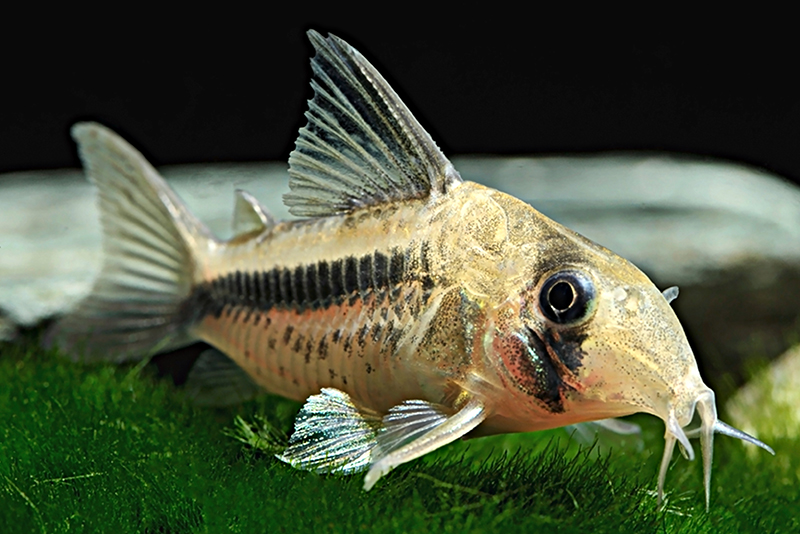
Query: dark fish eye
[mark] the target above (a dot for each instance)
(567, 297)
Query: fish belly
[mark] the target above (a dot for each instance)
(351, 346)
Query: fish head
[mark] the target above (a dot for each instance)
(590, 337)
(601, 341)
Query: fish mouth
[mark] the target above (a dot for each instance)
(710, 424)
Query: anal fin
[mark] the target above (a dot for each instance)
(216, 380)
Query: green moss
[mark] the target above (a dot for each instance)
(112, 449)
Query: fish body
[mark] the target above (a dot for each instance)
(408, 308)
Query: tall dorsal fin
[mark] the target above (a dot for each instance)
(361, 146)
(249, 215)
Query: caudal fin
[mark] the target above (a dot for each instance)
(149, 237)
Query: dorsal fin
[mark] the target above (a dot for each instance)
(361, 146)
(249, 215)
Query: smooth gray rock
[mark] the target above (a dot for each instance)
(727, 234)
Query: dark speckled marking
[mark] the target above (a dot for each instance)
(322, 348)
(362, 335)
(287, 334)
(298, 343)
(566, 345)
(544, 381)
(309, 349)
(377, 329)
(393, 338)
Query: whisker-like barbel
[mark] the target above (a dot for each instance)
(710, 425)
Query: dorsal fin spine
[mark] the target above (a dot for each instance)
(361, 146)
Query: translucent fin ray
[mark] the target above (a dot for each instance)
(671, 293)
(423, 431)
(134, 308)
(216, 380)
(332, 435)
(249, 215)
(361, 146)
(408, 421)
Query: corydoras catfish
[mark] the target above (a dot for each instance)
(407, 307)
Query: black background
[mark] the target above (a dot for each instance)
(228, 85)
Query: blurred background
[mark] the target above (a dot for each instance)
(231, 85)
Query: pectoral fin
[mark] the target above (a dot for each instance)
(333, 434)
(608, 433)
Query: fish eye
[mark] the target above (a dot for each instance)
(567, 297)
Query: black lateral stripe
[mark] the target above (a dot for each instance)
(365, 273)
(324, 283)
(311, 285)
(252, 295)
(285, 285)
(259, 282)
(263, 284)
(228, 285)
(239, 285)
(350, 275)
(298, 281)
(272, 283)
(315, 285)
(380, 271)
(336, 278)
(397, 267)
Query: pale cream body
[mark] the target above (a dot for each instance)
(487, 251)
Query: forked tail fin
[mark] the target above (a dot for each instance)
(150, 246)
